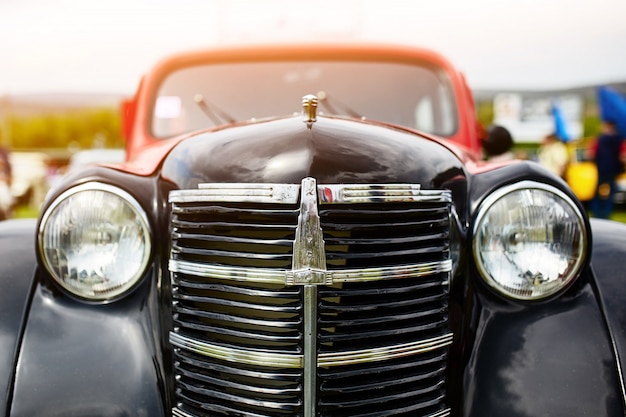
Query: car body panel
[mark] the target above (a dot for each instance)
(16, 279)
(504, 344)
(112, 372)
(287, 150)
(553, 359)
(607, 262)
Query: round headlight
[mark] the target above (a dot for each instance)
(529, 240)
(95, 241)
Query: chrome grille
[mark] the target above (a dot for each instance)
(374, 236)
(234, 235)
(376, 308)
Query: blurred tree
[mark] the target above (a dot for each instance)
(484, 112)
(591, 119)
(87, 127)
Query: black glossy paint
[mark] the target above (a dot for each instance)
(551, 359)
(17, 267)
(608, 263)
(330, 150)
(84, 360)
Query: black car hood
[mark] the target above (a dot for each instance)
(329, 150)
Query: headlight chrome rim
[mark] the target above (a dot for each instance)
(574, 270)
(115, 292)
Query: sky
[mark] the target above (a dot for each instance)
(89, 46)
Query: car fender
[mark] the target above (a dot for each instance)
(17, 251)
(106, 357)
(609, 269)
(550, 359)
(556, 357)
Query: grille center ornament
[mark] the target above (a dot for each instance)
(309, 255)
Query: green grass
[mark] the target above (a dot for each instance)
(25, 212)
(619, 215)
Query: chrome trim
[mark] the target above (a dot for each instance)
(442, 413)
(113, 293)
(327, 193)
(238, 355)
(309, 255)
(309, 276)
(391, 272)
(238, 192)
(177, 412)
(322, 277)
(268, 276)
(494, 197)
(309, 364)
(310, 350)
(498, 194)
(376, 193)
(383, 353)
(309, 268)
(309, 108)
(96, 186)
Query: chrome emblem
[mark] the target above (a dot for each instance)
(309, 255)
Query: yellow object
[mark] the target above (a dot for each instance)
(582, 178)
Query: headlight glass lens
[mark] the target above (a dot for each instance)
(529, 241)
(95, 241)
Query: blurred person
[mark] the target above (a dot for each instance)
(6, 198)
(498, 144)
(553, 154)
(607, 152)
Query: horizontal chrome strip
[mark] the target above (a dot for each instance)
(180, 413)
(262, 275)
(442, 413)
(391, 272)
(375, 193)
(289, 277)
(250, 357)
(240, 192)
(383, 353)
(327, 193)
(284, 360)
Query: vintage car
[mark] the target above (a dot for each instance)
(309, 230)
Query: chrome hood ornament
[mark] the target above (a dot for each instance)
(309, 108)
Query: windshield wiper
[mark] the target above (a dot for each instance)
(322, 96)
(217, 115)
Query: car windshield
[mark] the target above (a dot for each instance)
(209, 95)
